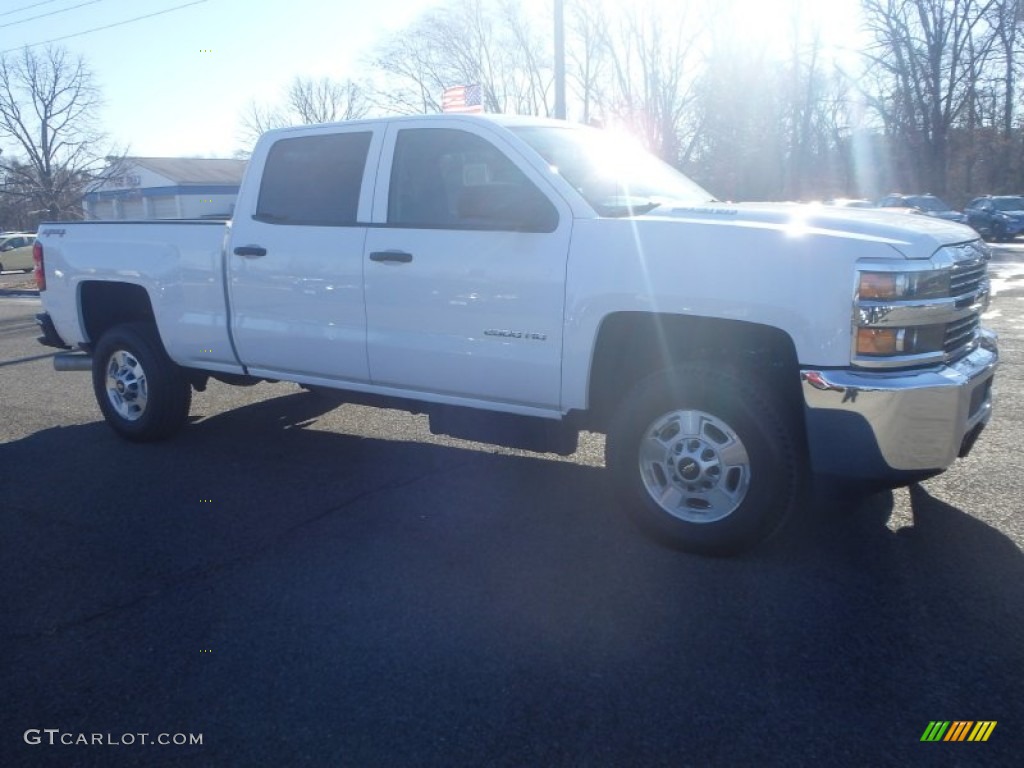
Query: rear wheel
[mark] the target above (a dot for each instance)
(704, 459)
(143, 394)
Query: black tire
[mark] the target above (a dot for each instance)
(143, 394)
(998, 233)
(693, 419)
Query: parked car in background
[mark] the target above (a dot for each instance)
(849, 202)
(16, 251)
(997, 218)
(929, 205)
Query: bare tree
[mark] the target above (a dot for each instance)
(936, 107)
(802, 103)
(326, 100)
(997, 86)
(740, 142)
(929, 52)
(305, 102)
(449, 45)
(257, 120)
(999, 92)
(655, 61)
(48, 111)
(589, 56)
(490, 42)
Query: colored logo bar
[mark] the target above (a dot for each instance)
(958, 730)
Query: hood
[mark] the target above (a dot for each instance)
(913, 235)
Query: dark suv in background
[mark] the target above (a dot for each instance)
(929, 205)
(996, 218)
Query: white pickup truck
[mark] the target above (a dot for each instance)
(520, 280)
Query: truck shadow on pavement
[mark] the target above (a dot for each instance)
(408, 602)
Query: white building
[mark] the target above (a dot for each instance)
(167, 188)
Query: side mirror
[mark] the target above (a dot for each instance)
(516, 207)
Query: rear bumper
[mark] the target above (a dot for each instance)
(875, 424)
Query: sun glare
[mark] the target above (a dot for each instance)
(775, 26)
(772, 27)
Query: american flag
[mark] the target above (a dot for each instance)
(462, 98)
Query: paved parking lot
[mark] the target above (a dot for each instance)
(303, 583)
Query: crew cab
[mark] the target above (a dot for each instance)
(520, 280)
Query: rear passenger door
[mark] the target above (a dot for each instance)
(295, 260)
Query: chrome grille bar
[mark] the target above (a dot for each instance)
(961, 333)
(966, 278)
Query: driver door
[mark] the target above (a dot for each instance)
(465, 270)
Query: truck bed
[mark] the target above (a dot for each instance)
(179, 263)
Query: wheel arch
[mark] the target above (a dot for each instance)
(104, 304)
(632, 345)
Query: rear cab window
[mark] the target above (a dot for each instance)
(314, 180)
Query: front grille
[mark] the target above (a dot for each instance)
(967, 277)
(961, 334)
(968, 280)
(938, 320)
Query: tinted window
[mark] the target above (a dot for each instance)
(1008, 204)
(451, 179)
(314, 179)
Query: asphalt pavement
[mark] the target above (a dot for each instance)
(301, 582)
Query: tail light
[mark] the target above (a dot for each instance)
(39, 273)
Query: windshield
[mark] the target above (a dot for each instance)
(929, 203)
(615, 176)
(1008, 203)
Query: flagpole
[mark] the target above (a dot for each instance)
(559, 61)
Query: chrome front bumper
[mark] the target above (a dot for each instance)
(876, 424)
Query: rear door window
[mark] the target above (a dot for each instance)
(314, 180)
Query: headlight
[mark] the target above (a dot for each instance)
(881, 342)
(886, 286)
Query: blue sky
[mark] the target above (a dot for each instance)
(177, 84)
(164, 96)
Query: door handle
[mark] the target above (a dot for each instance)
(250, 250)
(399, 256)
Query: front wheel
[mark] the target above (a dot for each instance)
(705, 459)
(143, 394)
